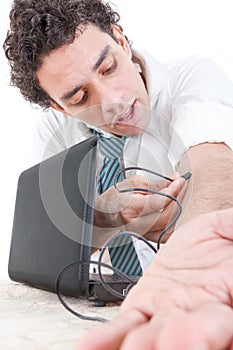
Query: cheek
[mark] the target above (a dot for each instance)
(92, 115)
(135, 81)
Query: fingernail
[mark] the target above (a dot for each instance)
(187, 175)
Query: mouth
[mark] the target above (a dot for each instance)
(127, 117)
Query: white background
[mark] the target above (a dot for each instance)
(166, 28)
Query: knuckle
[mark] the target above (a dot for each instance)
(136, 179)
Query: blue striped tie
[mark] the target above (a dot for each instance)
(123, 255)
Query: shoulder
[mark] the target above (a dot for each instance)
(200, 76)
(56, 132)
(51, 120)
(196, 69)
(54, 122)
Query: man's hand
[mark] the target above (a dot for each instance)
(145, 213)
(184, 299)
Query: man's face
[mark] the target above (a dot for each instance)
(95, 80)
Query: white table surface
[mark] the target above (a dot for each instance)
(33, 319)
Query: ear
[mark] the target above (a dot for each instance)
(121, 39)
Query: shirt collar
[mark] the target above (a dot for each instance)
(86, 128)
(156, 74)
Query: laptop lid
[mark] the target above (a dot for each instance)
(52, 224)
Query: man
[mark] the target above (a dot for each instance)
(184, 300)
(73, 58)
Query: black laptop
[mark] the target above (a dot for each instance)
(52, 225)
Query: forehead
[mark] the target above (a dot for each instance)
(85, 48)
(89, 42)
(74, 60)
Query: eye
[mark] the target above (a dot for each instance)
(110, 69)
(82, 101)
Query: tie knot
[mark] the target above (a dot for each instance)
(111, 147)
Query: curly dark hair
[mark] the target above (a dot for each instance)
(39, 26)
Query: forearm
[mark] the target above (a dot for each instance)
(211, 185)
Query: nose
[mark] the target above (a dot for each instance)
(108, 94)
(110, 101)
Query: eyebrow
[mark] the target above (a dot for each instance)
(71, 93)
(102, 56)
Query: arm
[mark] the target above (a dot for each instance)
(211, 185)
(184, 299)
(210, 189)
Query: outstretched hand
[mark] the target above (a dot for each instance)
(184, 300)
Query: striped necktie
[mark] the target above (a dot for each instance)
(123, 254)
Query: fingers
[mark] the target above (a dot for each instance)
(144, 213)
(165, 218)
(178, 329)
(173, 329)
(138, 181)
(154, 224)
(153, 236)
(114, 209)
(111, 335)
(201, 328)
(155, 202)
(205, 259)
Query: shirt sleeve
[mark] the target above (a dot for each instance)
(48, 137)
(56, 132)
(202, 108)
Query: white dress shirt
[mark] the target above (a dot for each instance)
(191, 102)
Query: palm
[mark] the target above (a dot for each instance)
(184, 299)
